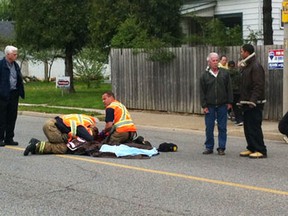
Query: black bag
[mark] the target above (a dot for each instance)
(167, 147)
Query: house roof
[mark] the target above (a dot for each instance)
(204, 8)
(7, 29)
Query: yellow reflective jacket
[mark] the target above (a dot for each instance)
(74, 120)
(122, 118)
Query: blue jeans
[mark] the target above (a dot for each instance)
(219, 113)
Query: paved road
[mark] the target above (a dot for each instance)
(179, 183)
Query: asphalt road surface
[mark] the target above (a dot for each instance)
(174, 183)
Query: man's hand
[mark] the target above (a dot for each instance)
(102, 134)
(205, 110)
(229, 106)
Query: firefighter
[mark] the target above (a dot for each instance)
(119, 127)
(62, 129)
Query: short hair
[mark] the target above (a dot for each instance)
(248, 48)
(10, 49)
(231, 64)
(212, 54)
(222, 56)
(109, 93)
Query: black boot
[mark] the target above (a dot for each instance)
(31, 147)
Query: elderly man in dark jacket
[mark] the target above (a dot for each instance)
(11, 87)
(216, 98)
(252, 101)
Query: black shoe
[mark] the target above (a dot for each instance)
(208, 151)
(220, 151)
(31, 147)
(11, 142)
(139, 140)
(2, 144)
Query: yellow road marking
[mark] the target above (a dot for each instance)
(178, 175)
(195, 178)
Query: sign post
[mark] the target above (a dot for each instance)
(63, 83)
(285, 70)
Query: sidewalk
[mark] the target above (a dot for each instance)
(196, 123)
(182, 121)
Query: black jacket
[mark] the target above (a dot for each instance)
(215, 91)
(253, 83)
(5, 80)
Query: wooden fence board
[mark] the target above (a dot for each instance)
(174, 86)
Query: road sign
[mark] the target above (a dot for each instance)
(276, 59)
(63, 82)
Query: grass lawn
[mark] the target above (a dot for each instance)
(47, 93)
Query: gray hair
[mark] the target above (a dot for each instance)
(10, 49)
(212, 54)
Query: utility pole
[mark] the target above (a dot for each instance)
(285, 69)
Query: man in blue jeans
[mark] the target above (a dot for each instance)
(216, 98)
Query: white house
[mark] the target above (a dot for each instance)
(246, 13)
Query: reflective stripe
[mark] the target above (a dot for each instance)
(122, 121)
(41, 147)
(73, 127)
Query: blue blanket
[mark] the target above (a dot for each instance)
(124, 150)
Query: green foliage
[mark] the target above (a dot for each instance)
(253, 36)
(130, 34)
(214, 33)
(53, 24)
(47, 93)
(5, 10)
(131, 23)
(88, 67)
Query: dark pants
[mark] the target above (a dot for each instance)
(237, 111)
(8, 116)
(253, 129)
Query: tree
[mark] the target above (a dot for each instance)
(157, 19)
(267, 22)
(89, 67)
(55, 25)
(5, 10)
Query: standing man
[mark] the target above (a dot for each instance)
(216, 98)
(252, 99)
(235, 76)
(11, 87)
(119, 127)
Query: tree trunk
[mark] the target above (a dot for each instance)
(267, 22)
(69, 68)
(46, 78)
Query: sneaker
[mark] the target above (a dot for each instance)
(208, 151)
(221, 151)
(257, 155)
(239, 123)
(245, 153)
(31, 147)
(2, 144)
(11, 142)
(285, 138)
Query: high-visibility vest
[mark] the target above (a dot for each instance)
(74, 120)
(122, 118)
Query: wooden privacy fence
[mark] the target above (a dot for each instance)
(174, 87)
